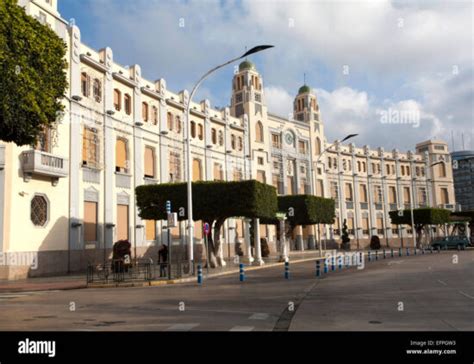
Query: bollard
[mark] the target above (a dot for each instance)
(376, 255)
(360, 257)
(333, 264)
(384, 254)
(369, 256)
(414, 251)
(339, 260)
(408, 252)
(199, 276)
(287, 270)
(399, 252)
(348, 260)
(391, 253)
(325, 266)
(242, 273)
(422, 250)
(318, 269)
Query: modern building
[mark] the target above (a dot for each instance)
(464, 178)
(66, 200)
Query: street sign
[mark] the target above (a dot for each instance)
(206, 228)
(172, 219)
(168, 207)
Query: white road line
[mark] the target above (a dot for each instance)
(181, 327)
(396, 262)
(466, 295)
(242, 328)
(259, 316)
(443, 283)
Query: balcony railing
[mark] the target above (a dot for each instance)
(123, 180)
(380, 231)
(378, 206)
(365, 231)
(149, 181)
(393, 207)
(364, 205)
(2, 157)
(349, 204)
(45, 164)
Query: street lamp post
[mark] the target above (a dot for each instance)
(188, 146)
(316, 164)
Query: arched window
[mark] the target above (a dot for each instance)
(442, 170)
(117, 100)
(318, 146)
(145, 111)
(232, 141)
(178, 124)
(221, 138)
(85, 84)
(200, 131)
(193, 129)
(154, 115)
(128, 104)
(97, 90)
(121, 158)
(214, 136)
(240, 143)
(259, 132)
(149, 162)
(169, 119)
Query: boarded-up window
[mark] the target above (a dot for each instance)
(392, 194)
(90, 148)
(121, 156)
(90, 221)
(154, 115)
(348, 192)
(175, 167)
(150, 229)
(200, 132)
(122, 222)
(218, 172)
(377, 194)
(261, 176)
(85, 84)
(379, 223)
(442, 170)
(193, 129)
(259, 132)
(214, 136)
(149, 162)
(406, 195)
(237, 174)
(177, 122)
(444, 196)
(197, 170)
(198, 226)
(169, 121)
(365, 225)
(117, 100)
(144, 111)
(363, 193)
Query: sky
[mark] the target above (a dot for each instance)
(395, 72)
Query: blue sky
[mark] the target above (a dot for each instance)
(401, 56)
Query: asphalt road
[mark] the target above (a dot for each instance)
(429, 292)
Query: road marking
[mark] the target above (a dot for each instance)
(443, 283)
(259, 316)
(181, 327)
(396, 262)
(242, 328)
(466, 295)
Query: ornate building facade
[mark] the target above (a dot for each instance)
(65, 201)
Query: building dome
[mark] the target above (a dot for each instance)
(304, 89)
(246, 65)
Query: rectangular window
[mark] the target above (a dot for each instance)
(261, 176)
(121, 164)
(218, 172)
(260, 161)
(444, 196)
(90, 221)
(363, 193)
(276, 141)
(175, 167)
(117, 100)
(392, 194)
(128, 104)
(90, 147)
(200, 131)
(122, 222)
(406, 195)
(302, 149)
(348, 192)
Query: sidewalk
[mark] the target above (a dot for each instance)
(78, 281)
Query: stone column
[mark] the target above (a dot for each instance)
(258, 247)
(299, 238)
(312, 238)
(248, 245)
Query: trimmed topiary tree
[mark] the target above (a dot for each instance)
(346, 241)
(213, 202)
(33, 78)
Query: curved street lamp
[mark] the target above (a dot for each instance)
(188, 145)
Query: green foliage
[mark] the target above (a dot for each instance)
(33, 78)
(345, 234)
(422, 216)
(305, 210)
(211, 200)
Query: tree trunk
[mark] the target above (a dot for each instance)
(211, 258)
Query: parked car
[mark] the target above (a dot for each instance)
(458, 242)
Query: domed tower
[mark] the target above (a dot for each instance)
(247, 91)
(305, 107)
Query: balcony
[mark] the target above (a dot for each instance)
(149, 181)
(123, 180)
(36, 162)
(349, 204)
(378, 206)
(364, 206)
(2, 157)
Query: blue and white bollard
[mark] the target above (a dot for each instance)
(369, 257)
(242, 272)
(339, 260)
(348, 260)
(376, 255)
(333, 264)
(199, 273)
(326, 266)
(360, 258)
(287, 270)
(318, 269)
(408, 252)
(391, 253)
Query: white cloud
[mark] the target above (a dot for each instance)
(278, 100)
